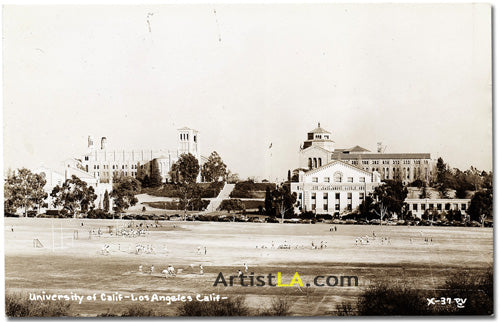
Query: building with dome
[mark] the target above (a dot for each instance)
(336, 180)
(319, 149)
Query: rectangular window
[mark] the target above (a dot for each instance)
(439, 206)
(350, 179)
(313, 196)
(361, 195)
(300, 195)
(325, 195)
(361, 179)
(315, 179)
(313, 206)
(327, 179)
(422, 206)
(349, 207)
(337, 196)
(447, 206)
(415, 207)
(337, 207)
(349, 196)
(325, 206)
(464, 206)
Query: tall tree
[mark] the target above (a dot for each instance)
(391, 196)
(481, 205)
(366, 207)
(74, 195)
(24, 189)
(155, 178)
(214, 169)
(268, 202)
(124, 191)
(105, 202)
(39, 195)
(184, 172)
(283, 201)
(441, 170)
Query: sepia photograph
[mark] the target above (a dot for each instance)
(251, 160)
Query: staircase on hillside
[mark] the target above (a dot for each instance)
(223, 194)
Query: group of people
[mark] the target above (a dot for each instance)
(245, 268)
(320, 246)
(169, 271)
(144, 249)
(199, 251)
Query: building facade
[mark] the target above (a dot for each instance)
(419, 206)
(319, 149)
(103, 163)
(334, 188)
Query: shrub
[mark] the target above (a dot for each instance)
(345, 309)
(138, 310)
(98, 214)
(477, 288)
(280, 306)
(231, 307)
(19, 305)
(386, 299)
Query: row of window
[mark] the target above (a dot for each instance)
(337, 196)
(314, 163)
(337, 179)
(116, 166)
(355, 162)
(337, 207)
(439, 206)
(107, 174)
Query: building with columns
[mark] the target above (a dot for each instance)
(319, 149)
(334, 188)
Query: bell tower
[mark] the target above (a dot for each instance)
(189, 142)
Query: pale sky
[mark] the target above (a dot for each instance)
(416, 77)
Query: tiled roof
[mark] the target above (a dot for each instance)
(357, 148)
(319, 129)
(354, 156)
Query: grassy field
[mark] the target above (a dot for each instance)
(66, 264)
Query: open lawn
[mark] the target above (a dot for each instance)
(66, 264)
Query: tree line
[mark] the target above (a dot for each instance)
(24, 189)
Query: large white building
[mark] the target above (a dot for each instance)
(336, 180)
(102, 162)
(334, 188)
(319, 149)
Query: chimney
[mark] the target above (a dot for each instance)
(103, 143)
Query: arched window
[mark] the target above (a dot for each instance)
(315, 163)
(310, 164)
(319, 162)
